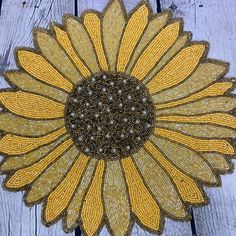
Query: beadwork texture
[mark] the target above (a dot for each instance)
(115, 119)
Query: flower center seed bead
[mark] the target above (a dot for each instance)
(113, 113)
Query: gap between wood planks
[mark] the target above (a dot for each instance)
(77, 230)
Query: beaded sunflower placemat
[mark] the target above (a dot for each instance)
(116, 118)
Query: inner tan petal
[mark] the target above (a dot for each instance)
(58, 200)
(187, 187)
(155, 50)
(203, 106)
(185, 159)
(205, 74)
(112, 26)
(217, 161)
(132, 33)
(142, 203)
(178, 69)
(28, 84)
(52, 51)
(202, 131)
(16, 162)
(82, 44)
(74, 207)
(213, 90)
(93, 25)
(177, 46)
(51, 177)
(16, 145)
(197, 144)
(31, 105)
(92, 209)
(10, 123)
(27, 175)
(116, 201)
(65, 42)
(215, 118)
(160, 184)
(153, 27)
(38, 67)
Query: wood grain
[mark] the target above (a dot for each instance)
(17, 20)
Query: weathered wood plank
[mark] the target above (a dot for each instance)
(17, 20)
(214, 22)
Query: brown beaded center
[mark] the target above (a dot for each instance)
(109, 116)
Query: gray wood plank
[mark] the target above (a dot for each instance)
(17, 20)
(214, 21)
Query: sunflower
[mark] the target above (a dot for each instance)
(116, 118)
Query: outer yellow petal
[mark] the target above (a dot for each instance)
(31, 105)
(116, 201)
(82, 44)
(200, 145)
(112, 26)
(205, 74)
(28, 84)
(10, 123)
(92, 209)
(15, 145)
(175, 48)
(203, 106)
(26, 175)
(155, 50)
(217, 161)
(214, 90)
(186, 186)
(37, 66)
(186, 160)
(65, 42)
(178, 69)
(131, 36)
(73, 211)
(153, 27)
(200, 131)
(16, 162)
(52, 51)
(58, 200)
(93, 25)
(215, 118)
(55, 173)
(159, 184)
(142, 203)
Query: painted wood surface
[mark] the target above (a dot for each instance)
(209, 20)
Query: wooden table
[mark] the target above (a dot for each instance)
(211, 20)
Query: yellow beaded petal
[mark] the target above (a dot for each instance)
(38, 67)
(186, 186)
(26, 175)
(132, 33)
(92, 209)
(155, 50)
(24, 104)
(178, 69)
(142, 203)
(15, 145)
(52, 51)
(65, 42)
(221, 119)
(113, 24)
(93, 25)
(214, 90)
(200, 145)
(59, 199)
